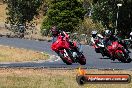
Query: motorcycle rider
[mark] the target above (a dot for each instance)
(99, 46)
(94, 36)
(56, 32)
(109, 38)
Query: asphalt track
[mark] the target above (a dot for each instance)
(94, 60)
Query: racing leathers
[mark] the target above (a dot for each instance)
(112, 38)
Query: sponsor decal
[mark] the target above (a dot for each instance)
(83, 78)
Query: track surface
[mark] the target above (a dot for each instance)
(94, 60)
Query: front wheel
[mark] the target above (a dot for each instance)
(128, 60)
(82, 59)
(65, 59)
(123, 59)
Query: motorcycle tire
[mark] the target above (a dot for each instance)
(128, 60)
(66, 60)
(102, 51)
(97, 50)
(123, 59)
(81, 59)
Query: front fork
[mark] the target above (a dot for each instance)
(73, 54)
(65, 53)
(126, 54)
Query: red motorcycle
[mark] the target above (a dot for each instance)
(67, 50)
(117, 51)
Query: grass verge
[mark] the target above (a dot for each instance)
(47, 78)
(11, 54)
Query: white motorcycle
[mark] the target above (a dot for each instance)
(99, 46)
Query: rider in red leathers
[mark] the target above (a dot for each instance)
(56, 33)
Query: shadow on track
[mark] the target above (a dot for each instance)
(105, 58)
(117, 62)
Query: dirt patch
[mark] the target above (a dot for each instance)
(2, 12)
(11, 54)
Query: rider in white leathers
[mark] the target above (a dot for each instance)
(96, 36)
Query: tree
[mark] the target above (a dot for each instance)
(21, 11)
(65, 14)
(105, 11)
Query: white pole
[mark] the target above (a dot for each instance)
(117, 15)
(116, 21)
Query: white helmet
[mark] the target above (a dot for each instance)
(131, 34)
(107, 32)
(94, 32)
